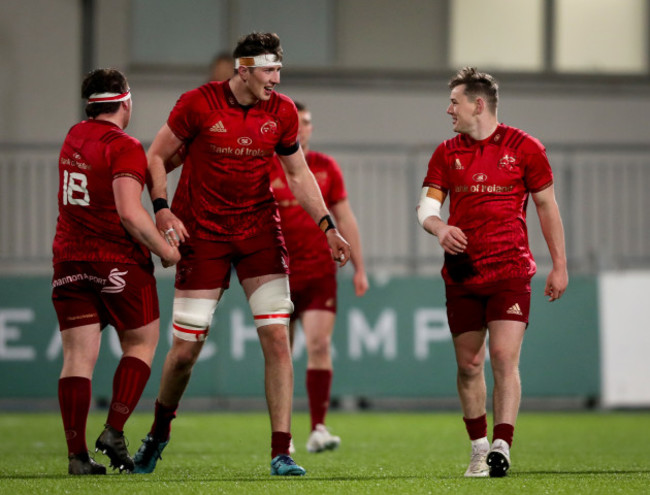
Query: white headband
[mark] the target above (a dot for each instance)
(264, 60)
(109, 97)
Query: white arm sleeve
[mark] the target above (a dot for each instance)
(427, 207)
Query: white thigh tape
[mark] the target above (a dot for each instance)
(192, 318)
(271, 303)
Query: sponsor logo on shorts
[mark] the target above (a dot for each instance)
(515, 310)
(82, 317)
(69, 279)
(118, 283)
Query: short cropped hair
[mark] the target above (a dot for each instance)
(258, 44)
(477, 84)
(301, 107)
(103, 81)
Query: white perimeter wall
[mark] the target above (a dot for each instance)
(625, 339)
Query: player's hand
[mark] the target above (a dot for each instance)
(556, 283)
(360, 281)
(339, 246)
(171, 228)
(452, 239)
(172, 259)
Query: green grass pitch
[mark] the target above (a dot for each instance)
(419, 453)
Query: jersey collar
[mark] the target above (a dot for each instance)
(495, 138)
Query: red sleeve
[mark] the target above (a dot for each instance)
(127, 157)
(184, 119)
(288, 116)
(337, 190)
(436, 173)
(537, 174)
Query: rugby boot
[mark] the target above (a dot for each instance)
(284, 465)
(113, 444)
(499, 458)
(84, 464)
(148, 454)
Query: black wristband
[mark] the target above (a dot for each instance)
(159, 204)
(326, 223)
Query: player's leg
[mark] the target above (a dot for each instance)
(262, 265)
(192, 317)
(78, 312)
(132, 308)
(466, 316)
(270, 303)
(318, 326)
(201, 277)
(268, 297)
(80, 352)
(469, 348)
(470, 357)
(506, 338)
(507, 315)
(292, 332)
(130, 378)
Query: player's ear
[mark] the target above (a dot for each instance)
(243, 72)
(480, 106)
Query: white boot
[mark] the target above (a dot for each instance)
(478, 467)
(321, 439)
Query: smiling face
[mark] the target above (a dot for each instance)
(462, 110)
(260, 81)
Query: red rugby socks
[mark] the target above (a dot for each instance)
(74, 401)
(319, 385)
(504, 431)
(476, 427)
(129, 381)
(162, 422)
(280, 441)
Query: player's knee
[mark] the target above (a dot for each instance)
(271, 303)
(503, 358)
(469, 368)
(182, 359)
(319, 348)
(192, 318)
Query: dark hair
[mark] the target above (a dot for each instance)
(103, 81)
(258, 44)
(301, 107)
(477, 84)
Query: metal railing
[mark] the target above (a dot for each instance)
(602, 193)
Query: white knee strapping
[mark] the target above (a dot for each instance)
(192, 318)
(271, 303)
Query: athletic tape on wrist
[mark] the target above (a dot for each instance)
(326, 223)
(159, 204)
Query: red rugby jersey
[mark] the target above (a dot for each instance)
(309, 253)
(88, 228)
(488, 183)
(226, 188)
